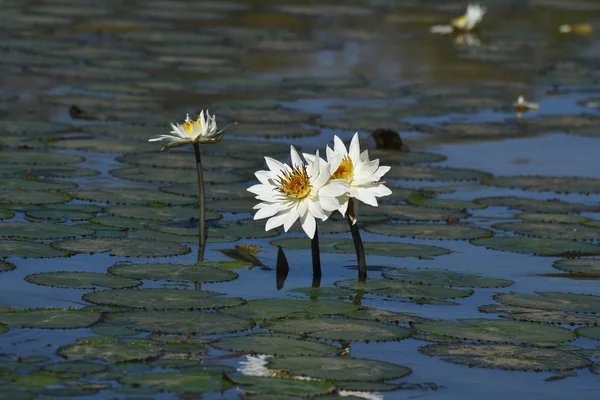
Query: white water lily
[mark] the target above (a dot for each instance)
(201, 130)
(465, 23)
(521, 105)
(297, 192)
(255, 365)
(363, 175)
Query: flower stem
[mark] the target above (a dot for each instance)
(201, 205)
(316, 255)
(358, 244)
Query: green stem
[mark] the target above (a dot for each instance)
(201, 205)
(316, 255)
(358, 244)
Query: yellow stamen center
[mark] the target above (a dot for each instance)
(345, 170)
(188, 126)
(295, 183)
(460, 22)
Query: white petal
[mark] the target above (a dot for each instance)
(296, 160)
(275, 221)
(315, 209)
(268, 211)
(335, 188)
(309, 225)
(354, 150)
(338, 146)
(274, 166)
(290, 218)
(332, 203)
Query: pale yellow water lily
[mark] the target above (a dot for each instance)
(201, 130)
(582, 29)
(522, 105)
(465, 23)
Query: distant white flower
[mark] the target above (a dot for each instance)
(200, 130)
(521, 105)
(362, 395)
(464, 23)
(363, 175)
(582, 29)
(255, 365)
(304, 192)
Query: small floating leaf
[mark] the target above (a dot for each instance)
(430, 231)
(393, 288)
(553, 301)
(538, 246)
(267, 343)
(551, 231)
(74, 368)
(123, 247)
(373, 314)
(203, 272)
(80, 280)
(159, 213)
(38, 230)
(587, 266)
(51, 318)
(37, 157)
(263, 386)
(111, 350)
(591, 332)
(6, 266)
(32, 197)
(27, 249)
(558, 184)
(132, 196)
(534, 205)
(536, 315)
(277, 308)
(556, 218)
(444, 278)
(181, 381)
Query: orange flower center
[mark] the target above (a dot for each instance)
(188, 127)
(295, 183)
(345, 170)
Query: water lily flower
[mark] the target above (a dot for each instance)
(202, 130)
(297, 192)
(464, 23)
(255, 365)
(521, 105)
(582, 29)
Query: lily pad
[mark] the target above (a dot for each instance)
(445, 278)
(534, 205)
(27, 249)
(80, 280)
(393, 288)
(411, 213)
(495, 330)
(37, 157)
(273, 131)
(50, 318)
(103, 145)
(506, 356)
(35, 184)
(161, 299)
(123, 247)
(557, 184)
(37, 230)
(3, 329)
(277, 308)
(267, 343)
(31, 127)
(422, 173)
(74, 368)
(159, 213)
(32, 197)
(62, 212)
(339, 368)
(430, 231)
(110, 350)
(536, 315)
(538, 246)
(264, 386)
(182, 322)
(169, 175)
(338, 329)
(6, 214)
(390, 317)
(132, 196)
(552, 301)
(551, 231)
(6, 266)
(181, 381)
(584, 266)
(420, 200)
(43, 171)
(393, 157)
(204, 272)
(554, 218)
(590, 332)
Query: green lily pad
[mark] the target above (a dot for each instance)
(37, 157)
(181, 381)
(390, 317)
(122, 247)
(80, 280)
(495, 330)
(445, 278)
(273, 131)
(555, 218)
(132, 196)
(538, 246)
(74, 368)
(264, 386)
(186, 160)
(182, 322)
(232, 206)
(27, 249)
(161, 299)
(103, 145)
(277, 308)
(267, 343)
(339, 368)
(338, 329)
(32, 197)
(552, 301)
(37, 230)
(246, 228)
(50, 318)
(61, 212)
(506, 356)
(110, 350)
(3, 329)
(39, 379)
(590, 332)
(204, 272)
(6, 266)
(584, 266)
(557, 184)
(550, 231)
(424, 173)
(323, 292)
(159, 213)
(31, 127)
(211, 191)
(420, 200)
(536, 315)
(430, 231)
(170, 175)
(119, 222)
(247, 149)
(113, 331)
(485, 130)
(35, 184)
(411, 213)
(43, 171)
(393, 288)
(6, 214)
(393, 157)
(533, 205)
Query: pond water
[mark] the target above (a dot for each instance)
(483, 276)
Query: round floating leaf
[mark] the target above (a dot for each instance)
(487, 130)
(273, 131)
(584, 266)
(119, 222)
(411, 213)
(42, 171)
(420, 200)
(534, 205)
(373, 314)
(339, 329)
(393, 157)
(392, 288)
(537, 246)
(38, 230)
(26, 249)
(133, 196)
(339, 368)
(3, 329)
(430, 231)
(245, 228)
(535, 315)
(411, 172)
(186, 160)
(323, 292)
(6, 266)
(181, 381)
(37, 157)
(111, 350)
(159, 213)
(368, 387)
(30, 127)
(264, 386)
(266, 343)
(103, 145)
(74, 368)
(558, 184)
(551, 231)
(80, 280)
(6, 214)
(123, 247)
(115, 331)
(445, 278)
(495, 330)
(32, 197)
(553, 301)
(506, 356)
(556, 218)
(204, 272)
(277, 308)
(60, 215)
(183, 322)
(169, 175)
(591, 332)
(35, 184)
(212, 191)
(233, 206)
(249, 149)
(161, 299)
(51, 318)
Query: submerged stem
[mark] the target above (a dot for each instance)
(316, 255)
(201, 205)
(358, 244)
